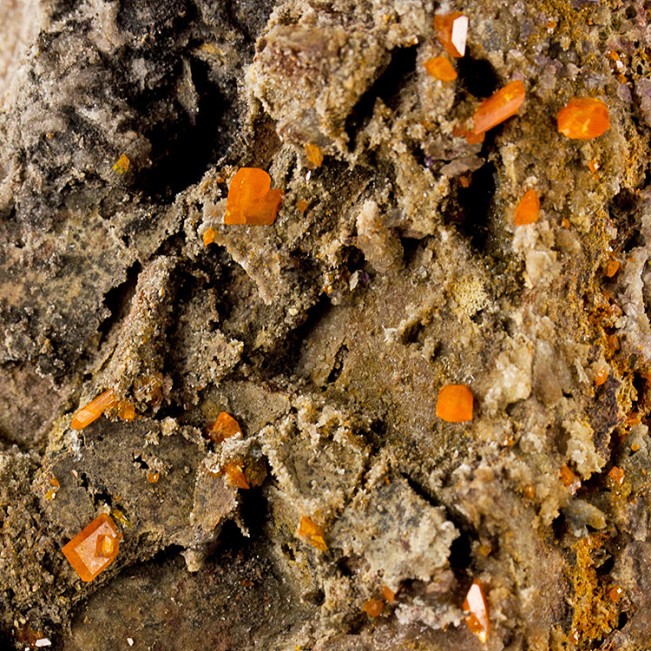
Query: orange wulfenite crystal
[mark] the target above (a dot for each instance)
(504, 104)
(528, 210)
(312, 532)
(122, 164)
(153, 477)
(94, 409)
(302, 205)
(471, 138)
(454, 403)
(94, 548)
(601, 376)
(235, 475)
(615, 593)
(440, 68)
(612, 267)
(126, 410)
(617, 475)
(314, 155)
(569, 479)
(583, 118)
(593, 166)
(373, 607)
(223, 428)
(208, 236)
(452, 31)
(475, 605)
(388, 594)
(250, 198)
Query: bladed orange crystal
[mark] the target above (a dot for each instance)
(477, 609)
(451, 31)
(94, 548)
(499, 107)
(583, 118)
(250, 198)
(90, 412)
(455, 403)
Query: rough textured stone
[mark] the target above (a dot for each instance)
(393, 268)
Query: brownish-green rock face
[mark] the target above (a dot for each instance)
(354, 504)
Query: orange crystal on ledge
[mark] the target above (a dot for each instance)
(528, 210)
(94, 548)
(312, 532)
(583, 118)
(477, 609)
(440, 68)
(94, 409)
(452, 31)
(455, 403)
(224, 427)
(251, 200)
(499, 107)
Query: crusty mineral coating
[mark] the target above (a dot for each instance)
(329, 333)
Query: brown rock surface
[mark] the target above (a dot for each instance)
(394, 268)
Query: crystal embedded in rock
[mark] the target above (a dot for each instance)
(94, 409)
(499, 107)
(94, 548)
(455, 403)
(583, 118)
(528, 210)
(440, 68)
(477, 609)
(452, 31)
(250, 198)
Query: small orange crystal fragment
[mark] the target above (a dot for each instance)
(452, 31)
(615, 593)
(440, 68)
(126, 410)
(122, 164)
(302, 205)
(94, 548)
(455, 403)
(388, 594)
(314, 155)
(601, 376)
(617, 475)
(528, 210)
(612, 267)
(477, 609)
(583, 118)
(500, 106)
(223, 428)
(235, 475)
(593, 166)
(569, 479)
(208, 236)
(373, 607)
(94, 409)
(312, 532)
(250, 198)
(153, 477)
